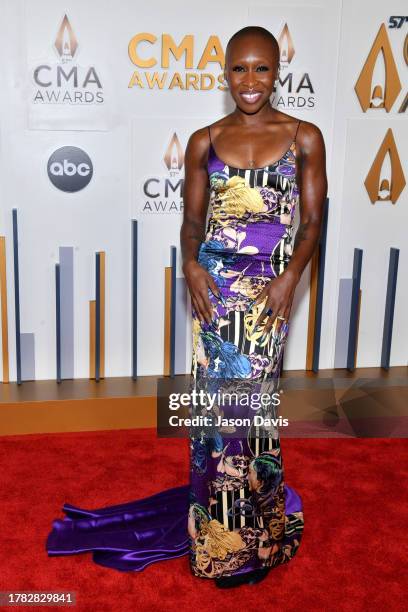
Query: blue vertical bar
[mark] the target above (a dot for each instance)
(389, 308)
(320, 287)
(97, 319)
(17, 296)
(58, 319)
(173, 256)
(352, 343)
(134, 298)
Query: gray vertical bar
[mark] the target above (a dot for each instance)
(320, 287)
(389, 308)
(27, 356)
(66, 263)
(181, 326)
(352, 343)
(58, 319)
(97, 319)
(343, 323)
(173, 252)
(16, 296)
(134, 298)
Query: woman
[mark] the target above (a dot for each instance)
(243, 519)
(237, 518)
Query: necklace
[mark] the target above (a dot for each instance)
(251, 163)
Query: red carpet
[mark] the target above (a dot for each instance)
(352, 554)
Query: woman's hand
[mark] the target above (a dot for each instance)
(198, 281)
(279, 294)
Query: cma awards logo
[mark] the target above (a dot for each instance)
(165, 194)
(145, 48)
(296, 90)
(371, 93)
(385, 188)
(66, 82)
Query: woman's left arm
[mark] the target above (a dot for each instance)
(312, 182)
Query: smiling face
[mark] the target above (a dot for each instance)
(251, 67)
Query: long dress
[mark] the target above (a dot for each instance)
(236, 514)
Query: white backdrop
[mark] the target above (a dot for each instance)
(126, 131)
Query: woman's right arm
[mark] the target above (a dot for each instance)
(192, 233)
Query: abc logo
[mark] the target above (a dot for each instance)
(70, 169)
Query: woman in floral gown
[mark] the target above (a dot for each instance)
(242, 272)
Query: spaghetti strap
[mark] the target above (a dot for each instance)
(209, 133)
(297, 130)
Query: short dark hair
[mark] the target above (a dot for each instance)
(257, 31)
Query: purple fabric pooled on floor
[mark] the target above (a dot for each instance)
(132, 535)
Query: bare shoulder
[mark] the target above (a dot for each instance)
(198, 145)
(199, 138)
(309, 136)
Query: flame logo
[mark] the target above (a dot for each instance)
(286, 46)
(380, 188)
(174, 155)
(66, 43)
(379, 95)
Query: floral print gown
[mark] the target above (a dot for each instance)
(242, 515)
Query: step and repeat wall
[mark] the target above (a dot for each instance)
(97, 103)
